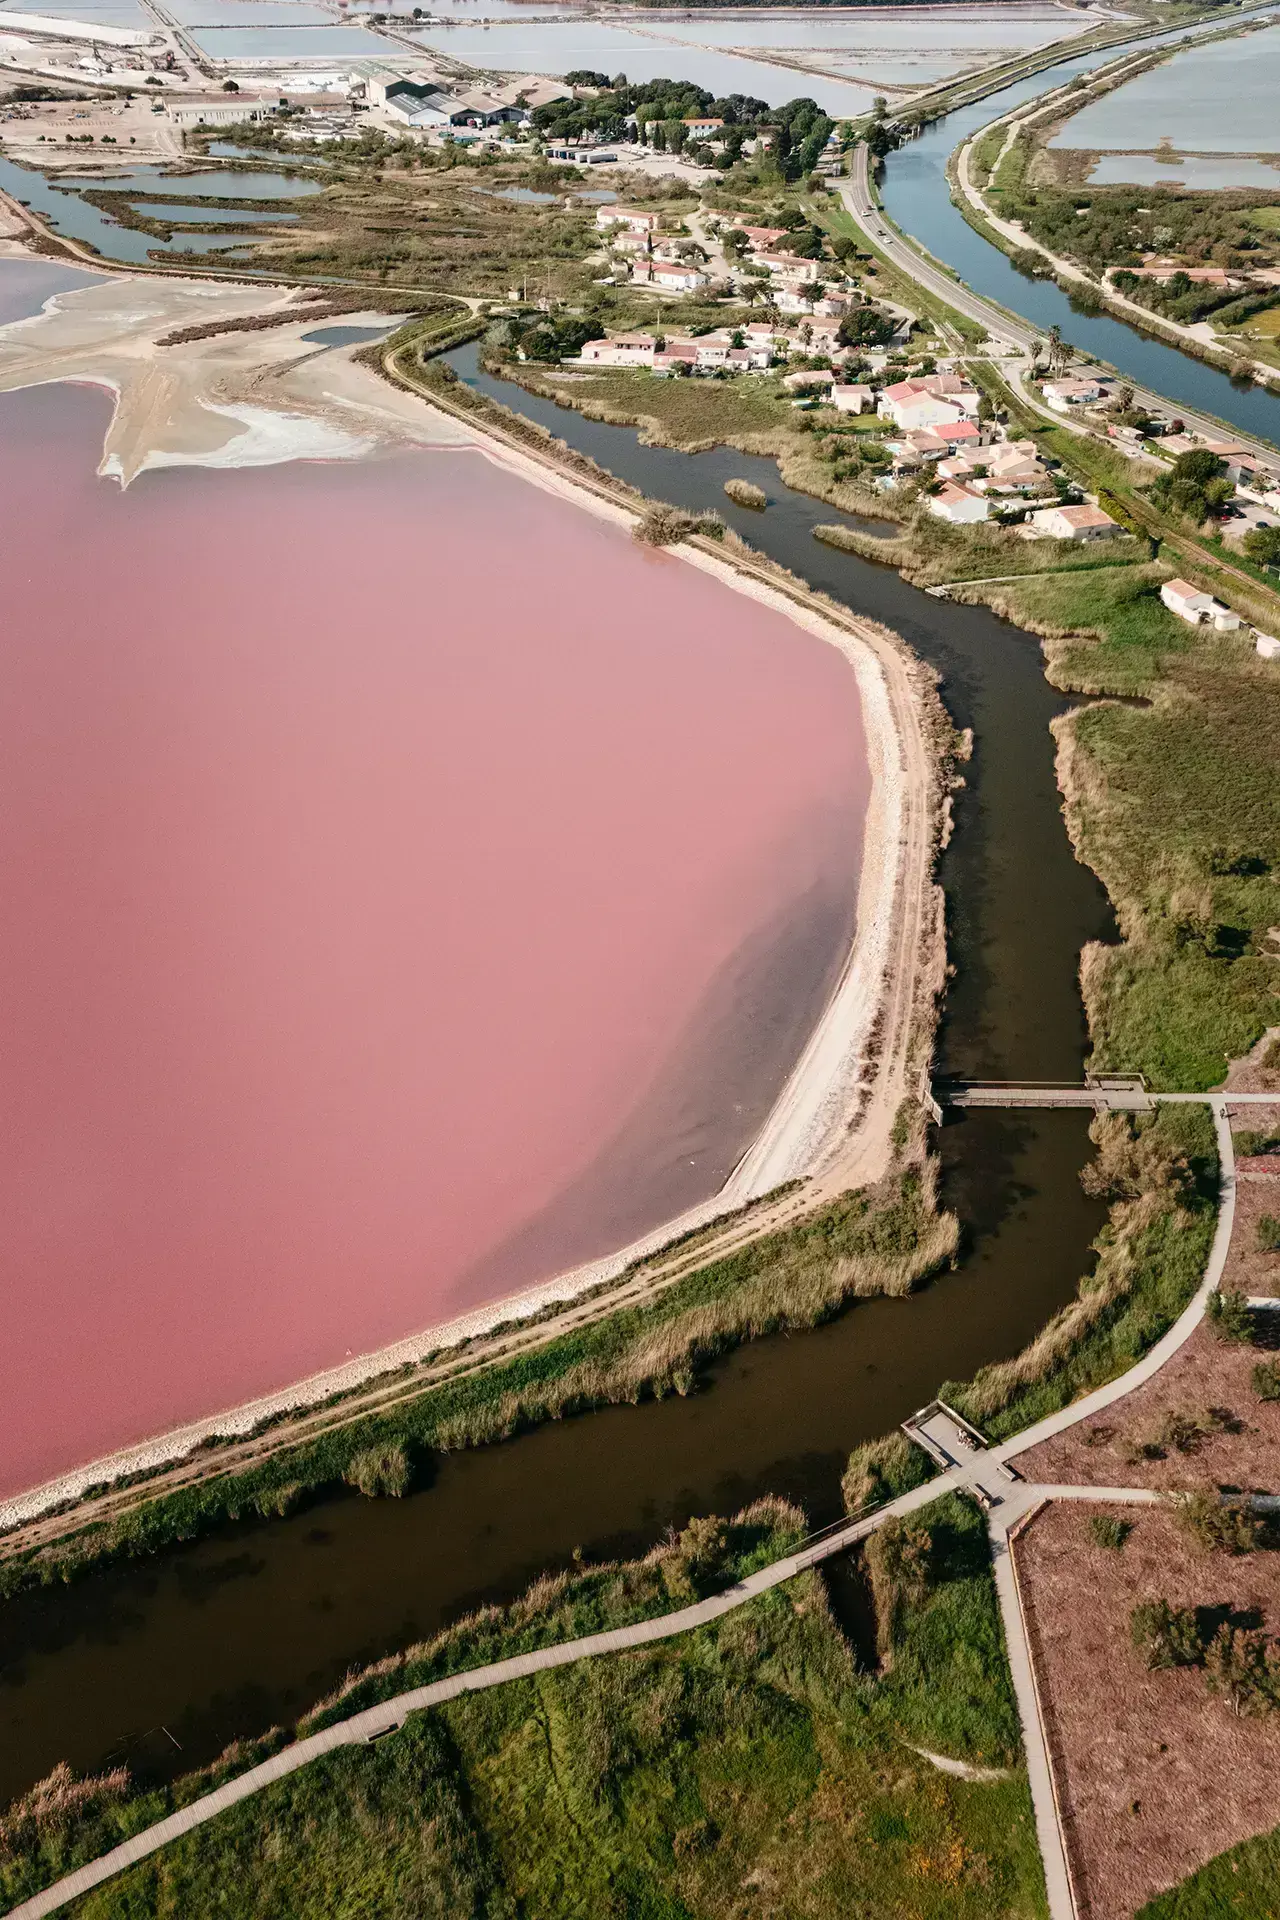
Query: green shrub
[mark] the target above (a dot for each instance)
(1166, 1636)
(1266, 1380)
(694, 1564)
(1215, 1524)
(1269, 1234)
(1229, 1317)
(379, 1471)
(1109, 1530)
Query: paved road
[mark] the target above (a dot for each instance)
(859, 200)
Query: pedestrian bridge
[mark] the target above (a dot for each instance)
(1104, 1093)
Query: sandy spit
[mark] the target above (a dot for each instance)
(324, 404)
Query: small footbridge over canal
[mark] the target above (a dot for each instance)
(1104, 1093)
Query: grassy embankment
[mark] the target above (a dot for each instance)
(1161, 1174)
(750, 1766)
(1244, 1881)
(863, 1244)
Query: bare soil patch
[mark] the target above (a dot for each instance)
(1154, 1775)
(1208, 1378)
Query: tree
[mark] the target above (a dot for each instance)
(229, 86)
(865, 326)
(1262, 544)
(1059, 352)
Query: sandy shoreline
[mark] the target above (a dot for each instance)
(252, 398)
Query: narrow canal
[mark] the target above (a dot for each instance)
(917, 196)
(161, 1664)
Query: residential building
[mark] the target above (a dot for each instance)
(675, 356)
(1074, 523)
(701, 127)
(808, 380)
(1198, 609)
(852, 398)
(621, 350)
(762, 239)
(791, 266)
(958, 504)
(635, 219)
(670, 275)
(1066, 393)
(928, 402)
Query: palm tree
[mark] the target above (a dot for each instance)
(1059, 351)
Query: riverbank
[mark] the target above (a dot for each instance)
(669, 1770)
(834, 1123)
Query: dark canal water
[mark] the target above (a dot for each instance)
(250, 1627)
(917, 196)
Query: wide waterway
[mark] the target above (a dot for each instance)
(917, 197)
(250, 1626)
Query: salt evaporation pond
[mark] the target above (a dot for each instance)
(1190, 170)
(1215, 99)
(559, 46)
(414, 887)
(284, 44)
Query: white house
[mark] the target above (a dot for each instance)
(1064, 394)
(671, 276)
(912, 404)
(958, 504)
(1074, 523)
(636, 220)
(792, 266)
(621, 350)
(852, 398)
(1196, 608)
(701, 127)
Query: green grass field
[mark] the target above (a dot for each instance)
(749, 1768)
(1174, 807)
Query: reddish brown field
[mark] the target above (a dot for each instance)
(1154, 1775)
(1207, 1374)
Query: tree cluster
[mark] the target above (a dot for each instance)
(1240, 1662)
(661, 107)
(1118, 226)
(1196, 485)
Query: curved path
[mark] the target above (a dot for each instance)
(983, 1472)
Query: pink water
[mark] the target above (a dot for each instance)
(411, 888)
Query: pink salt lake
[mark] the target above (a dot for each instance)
(412, 888)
